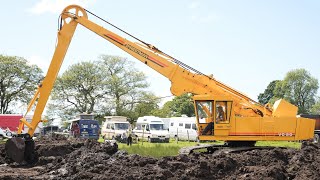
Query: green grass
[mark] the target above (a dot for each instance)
(155, 149)
(172, 149)
(288, 144)
(3, 141)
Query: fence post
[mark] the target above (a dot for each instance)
(177, 136)
(142, 133)
(188, 136)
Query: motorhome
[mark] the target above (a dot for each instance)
(183, 128)
(115, 127)
(152, 129)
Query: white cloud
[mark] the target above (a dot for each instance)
(56, 6)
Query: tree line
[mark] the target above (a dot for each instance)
(111, 85)
(298, 87)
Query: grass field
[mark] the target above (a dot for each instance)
(171, 149)
(155, 149)
(279, 144)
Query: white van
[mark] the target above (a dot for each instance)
(115, 127)
(152, 129)
(183, 128)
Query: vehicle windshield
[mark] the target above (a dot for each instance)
(156, 127)
(121, 126)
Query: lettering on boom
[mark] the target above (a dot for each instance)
(132, 48)
(136, 50)
(144, 55)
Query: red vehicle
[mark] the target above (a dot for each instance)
(316, 138)
(10, 121)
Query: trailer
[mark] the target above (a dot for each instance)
(316, 117)
(10, 121)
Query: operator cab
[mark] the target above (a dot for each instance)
(213, 116)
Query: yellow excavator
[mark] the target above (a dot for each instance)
(222, 112)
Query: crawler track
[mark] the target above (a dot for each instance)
(216, 149)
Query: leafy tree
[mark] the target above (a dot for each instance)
(109, 86)
(268, 93)
(18, 80)
(179, 105)
(79, 89)
(316, 107)
(124, 83)
(164, 112)
(148, 103)
(299, 88)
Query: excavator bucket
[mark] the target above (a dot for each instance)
(15, 148)
(19, 149)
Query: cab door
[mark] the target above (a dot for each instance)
(222, 117)
(205, 117)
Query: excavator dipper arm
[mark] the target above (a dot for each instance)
(21, 147)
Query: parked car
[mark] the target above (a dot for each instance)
(49, 130)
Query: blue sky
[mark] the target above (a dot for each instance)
(245, 44)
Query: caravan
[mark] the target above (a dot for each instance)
(152, 129)
(183, 128)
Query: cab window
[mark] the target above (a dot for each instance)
(223, 110)
(204, 111)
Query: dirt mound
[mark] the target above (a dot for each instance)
(92, 160)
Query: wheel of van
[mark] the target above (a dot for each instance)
(9, 134)
(316, 138)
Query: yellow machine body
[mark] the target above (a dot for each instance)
(282, 126)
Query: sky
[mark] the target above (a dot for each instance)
(245, 44)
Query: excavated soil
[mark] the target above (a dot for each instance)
(60, 158)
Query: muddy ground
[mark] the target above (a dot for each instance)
(63, 159)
